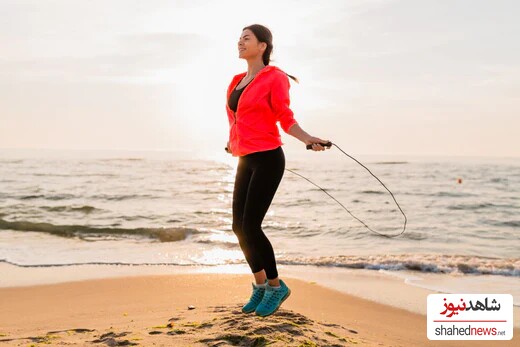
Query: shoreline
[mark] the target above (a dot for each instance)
(402, 290)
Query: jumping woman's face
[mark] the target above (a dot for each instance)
(249, 47)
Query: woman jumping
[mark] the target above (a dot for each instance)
(256, 101)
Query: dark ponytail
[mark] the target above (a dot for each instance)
(294, 78)
(263, 34)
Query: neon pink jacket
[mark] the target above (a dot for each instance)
(264, 102)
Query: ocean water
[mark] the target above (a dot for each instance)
(60, 208)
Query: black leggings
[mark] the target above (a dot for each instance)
(257, 179)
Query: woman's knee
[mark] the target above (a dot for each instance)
(237, 227)
(251, 229)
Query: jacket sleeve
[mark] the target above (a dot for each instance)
(280, 102)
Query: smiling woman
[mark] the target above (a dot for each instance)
(256, 101)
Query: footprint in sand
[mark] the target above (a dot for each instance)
(50, 337)
(110, 339)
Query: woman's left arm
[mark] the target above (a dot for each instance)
(280, 101)
(296, 131)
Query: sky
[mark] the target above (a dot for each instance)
(376, 77)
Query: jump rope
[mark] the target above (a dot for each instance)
(329, 144)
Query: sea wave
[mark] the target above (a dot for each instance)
(435, 263)
(478, 206)
(84, 209)
(42, 196)
(372, 192)
(119, 263)
(122, 197)
(451, 194)
(508, 223)
(87, 232)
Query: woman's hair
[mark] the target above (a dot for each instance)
(263, 34)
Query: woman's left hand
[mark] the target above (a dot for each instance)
(315, 142)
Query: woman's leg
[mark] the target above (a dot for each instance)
(242, 180)
(257, 178)
(267, 172)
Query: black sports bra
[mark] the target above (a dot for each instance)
(235, 95)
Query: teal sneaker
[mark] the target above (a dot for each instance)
(272, 299)
(256, 298)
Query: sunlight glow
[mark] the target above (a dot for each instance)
(219, 256)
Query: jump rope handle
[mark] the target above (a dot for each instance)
(327, 144)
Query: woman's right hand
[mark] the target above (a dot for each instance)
(227, 148)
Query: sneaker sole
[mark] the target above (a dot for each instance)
(277, 307)
(250, 311)
(244, 311)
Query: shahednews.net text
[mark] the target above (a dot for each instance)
(468, 331)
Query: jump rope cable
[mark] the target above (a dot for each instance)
(329, 144)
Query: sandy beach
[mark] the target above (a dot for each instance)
(153, 310)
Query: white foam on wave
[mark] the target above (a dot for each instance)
(427, 263)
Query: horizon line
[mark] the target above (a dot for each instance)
(202, 151)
